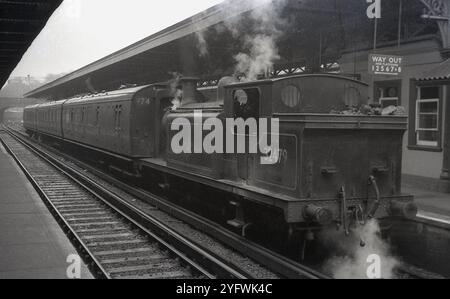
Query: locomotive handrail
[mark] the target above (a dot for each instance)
(377, 202)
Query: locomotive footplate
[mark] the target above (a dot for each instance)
(295, 210)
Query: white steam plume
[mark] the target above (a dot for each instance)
(175, 92)
(352, 262)
(202, 45)
(259, 41)
(261, 44)
(263, 53)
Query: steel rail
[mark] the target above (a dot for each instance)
(93, 264)
(183, 248)
(282, 265)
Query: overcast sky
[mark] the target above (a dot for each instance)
(83, 31)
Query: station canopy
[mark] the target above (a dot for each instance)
(20, 22)
(307, 36)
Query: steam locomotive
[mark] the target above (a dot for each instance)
(330, 169)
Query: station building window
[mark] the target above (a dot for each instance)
(428, 116)
(425, 118)
(388, 93)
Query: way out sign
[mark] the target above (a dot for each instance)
(385, 64)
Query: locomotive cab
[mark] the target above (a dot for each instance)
(191, 114)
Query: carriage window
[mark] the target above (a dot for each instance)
(290, 95)
(97, 116)
(118, 115)
(246, 103)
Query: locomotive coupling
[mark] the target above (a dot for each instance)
(318, 215)
(403, 209)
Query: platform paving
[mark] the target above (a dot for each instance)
(32, 244)
(431, 204)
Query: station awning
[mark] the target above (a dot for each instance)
(440, 72)
(314, 36)
(20, 23)
(148, 57)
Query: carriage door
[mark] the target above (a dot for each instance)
(246, 104)
(97, 124)
(118, 127)
(164, 103)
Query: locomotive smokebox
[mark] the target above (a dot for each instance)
(189, 86)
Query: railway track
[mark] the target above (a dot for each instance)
(113, 232)
(282, 266)
(112, 242)
(411, 272)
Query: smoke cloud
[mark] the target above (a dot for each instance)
(262, 54)
(351, 260)
(200, 36)
(175, 91)
(258, 32)
(202, 45)
(261, 51)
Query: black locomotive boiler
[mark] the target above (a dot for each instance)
(332, 168)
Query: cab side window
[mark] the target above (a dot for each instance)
(246, 103)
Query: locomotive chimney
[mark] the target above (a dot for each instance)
(189, 85)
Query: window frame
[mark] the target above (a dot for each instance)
(413, 116)
(386, 84)
(388, 99)
(418, 115)
(245, 90)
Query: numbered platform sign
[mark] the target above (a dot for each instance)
(385, 64)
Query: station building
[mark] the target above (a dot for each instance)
(422, 87)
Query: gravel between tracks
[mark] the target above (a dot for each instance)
(231, 255)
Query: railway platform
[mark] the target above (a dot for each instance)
(32, 244)
(433, 205)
